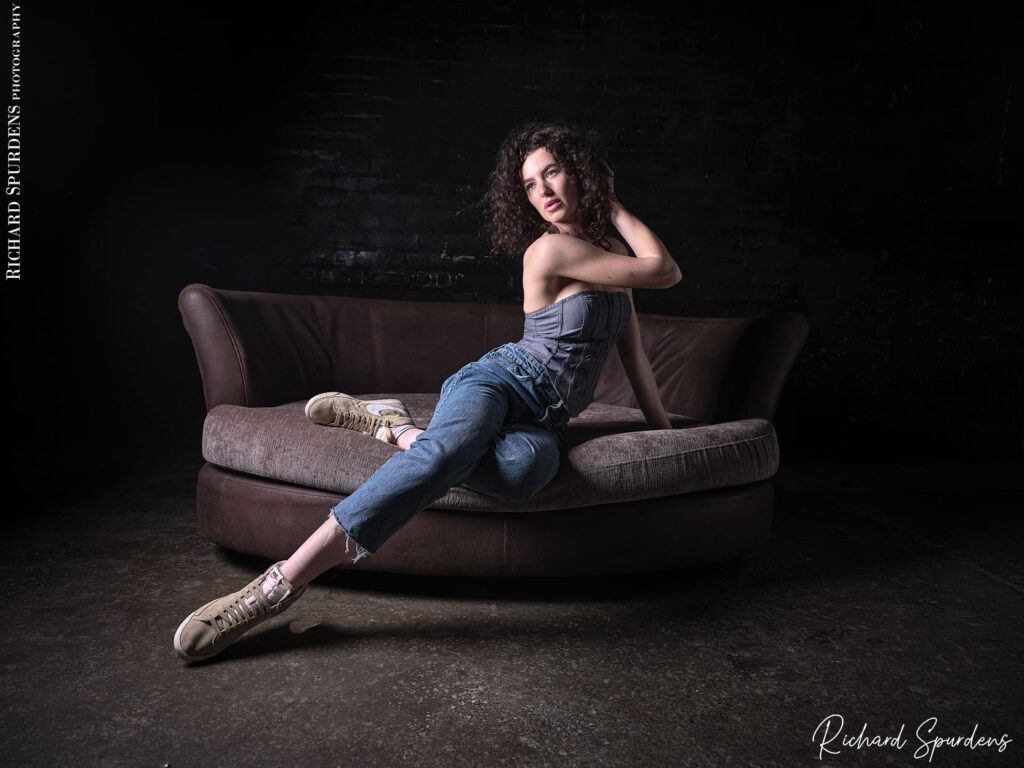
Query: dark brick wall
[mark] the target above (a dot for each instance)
(855, 165)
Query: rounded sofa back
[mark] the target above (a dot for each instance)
(263, 349)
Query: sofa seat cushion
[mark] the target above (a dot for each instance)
(608, 455)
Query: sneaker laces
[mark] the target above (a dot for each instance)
(243, 608)
(357, 421)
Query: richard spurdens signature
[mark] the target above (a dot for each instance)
(830, 739)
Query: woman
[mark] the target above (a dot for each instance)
(499, 421)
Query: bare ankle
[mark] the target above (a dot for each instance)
(290, 572)
(408, 437)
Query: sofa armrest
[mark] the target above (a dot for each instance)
(255, 349)
(760, 363)
(713, 369)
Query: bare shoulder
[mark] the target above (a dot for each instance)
(552, 243)
(549, 241)
(560, 255)
(546, 249)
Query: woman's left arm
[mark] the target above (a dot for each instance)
(638, 370)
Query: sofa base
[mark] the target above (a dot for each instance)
(255, 516)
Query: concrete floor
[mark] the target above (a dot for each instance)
(875, 600)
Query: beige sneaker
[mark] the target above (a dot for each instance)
(209, 630)
(336, 409)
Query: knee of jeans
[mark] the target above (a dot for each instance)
(438, 457)
(531, 466)
(532, 482)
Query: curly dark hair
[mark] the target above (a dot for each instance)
(512, 222)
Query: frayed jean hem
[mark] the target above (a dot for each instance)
(360, 550)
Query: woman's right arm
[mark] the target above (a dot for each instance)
(566, 256)
(646, 245)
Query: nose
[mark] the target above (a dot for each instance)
(545, 189)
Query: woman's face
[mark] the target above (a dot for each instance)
(550, 190)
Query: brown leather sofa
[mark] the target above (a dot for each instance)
(625, 498)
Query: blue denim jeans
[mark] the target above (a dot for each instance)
(497, 430)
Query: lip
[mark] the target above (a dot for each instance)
(553, 205)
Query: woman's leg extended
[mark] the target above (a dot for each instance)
(475, 405)
(521, 460)
(321, 551)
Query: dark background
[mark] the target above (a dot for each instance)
(853, 164)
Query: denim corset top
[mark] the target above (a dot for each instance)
(571, 339)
